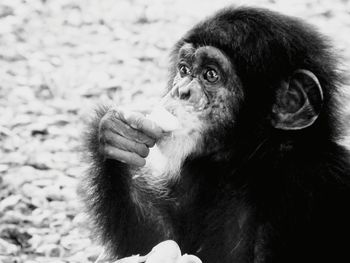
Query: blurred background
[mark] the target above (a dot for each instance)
(59, 58)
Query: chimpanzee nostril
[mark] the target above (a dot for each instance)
(185, 95)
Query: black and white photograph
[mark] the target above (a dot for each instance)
(174, 131)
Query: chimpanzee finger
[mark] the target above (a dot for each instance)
(139, 122)
(123, 143)
(123, 156)
(114, 124)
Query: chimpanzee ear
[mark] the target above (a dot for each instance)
(298, 102)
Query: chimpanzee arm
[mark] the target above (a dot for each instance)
(123, 208)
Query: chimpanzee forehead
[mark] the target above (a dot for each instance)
(187, 51)
(204, 53)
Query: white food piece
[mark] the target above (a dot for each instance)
(189, 259)
(164, 119)
(165, 252)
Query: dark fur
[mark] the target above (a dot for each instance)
(267, 195)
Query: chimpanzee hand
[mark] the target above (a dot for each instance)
(127, 136)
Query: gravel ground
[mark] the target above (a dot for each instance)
(57, 60)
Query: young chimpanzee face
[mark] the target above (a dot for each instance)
(205, 96)
(205, 89)
(206, 80)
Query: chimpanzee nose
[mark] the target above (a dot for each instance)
(190, 92)
(184, 94)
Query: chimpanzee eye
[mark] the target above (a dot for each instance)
(211, 75)
(184, 70)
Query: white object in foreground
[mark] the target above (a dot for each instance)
(165, 252)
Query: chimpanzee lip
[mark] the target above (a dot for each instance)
(173, 106)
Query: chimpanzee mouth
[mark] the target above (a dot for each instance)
(176, 108)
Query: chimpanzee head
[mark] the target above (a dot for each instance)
(244, 73)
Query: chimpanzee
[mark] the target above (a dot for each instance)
(254, 174)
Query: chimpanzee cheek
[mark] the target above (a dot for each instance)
(222, 106)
